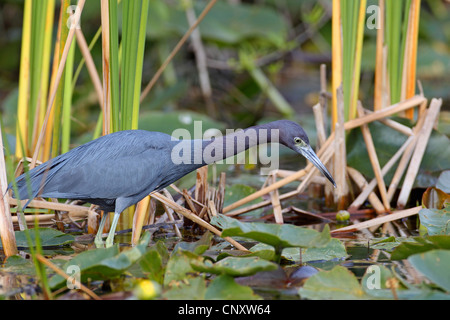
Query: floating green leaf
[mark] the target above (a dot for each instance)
(419, 245)
(265, 252)
(179, 266)
(387, 141)
(336, 284)
(225, 288)
(276, 235)
(48, 238)
(234, 266)
(190, 289)
(387, 243)
(434, 265)
(103, 263)
(334, 249)
(374, 282)
(153, 262)
(436, 221)
(196, 247)
(20, 265)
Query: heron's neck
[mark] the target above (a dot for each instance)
(197, 153)
(236, 142)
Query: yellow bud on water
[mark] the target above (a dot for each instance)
(147, 290)
(342, 215)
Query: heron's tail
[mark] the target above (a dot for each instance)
(31, 184)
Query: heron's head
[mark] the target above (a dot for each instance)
(294, 137)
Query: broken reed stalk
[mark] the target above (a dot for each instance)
(221, 191)
(261, 204)
(376, 115)
(379, 220)
(169, 212)
(405, 159)
(279, 183)
(59, 73)
(41, 218)
(407, 131)
(201, 185)
(41, 204)
(419, 151)
(361, 182)
(367, 190)
(280, 173)
(191, 216)
(374, 159)
(385, 112)
(189, 202)
(276, 205)
(66, 276)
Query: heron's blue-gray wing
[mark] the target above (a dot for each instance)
(117, 165)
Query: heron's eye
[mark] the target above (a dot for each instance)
(297, 140)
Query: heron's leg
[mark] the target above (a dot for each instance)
(98, 238)
(110, 240)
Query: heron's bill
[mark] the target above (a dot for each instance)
(309, 154)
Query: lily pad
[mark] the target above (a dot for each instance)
(420, 245)
(225, 288)
(375, 284)
(336, 284)
(387, 141)
(334, 249)
(190, 289)
(103, 263)
(20, 265)
(276, 235)
(234, 266)
(48, 238)
(266, 253)
(443, 182)
(434, 265)
(179, 266)
(436, 221)
(388, 243)
(340, 283)
(153, 262)
(197, 247)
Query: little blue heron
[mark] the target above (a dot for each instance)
(118, 170)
